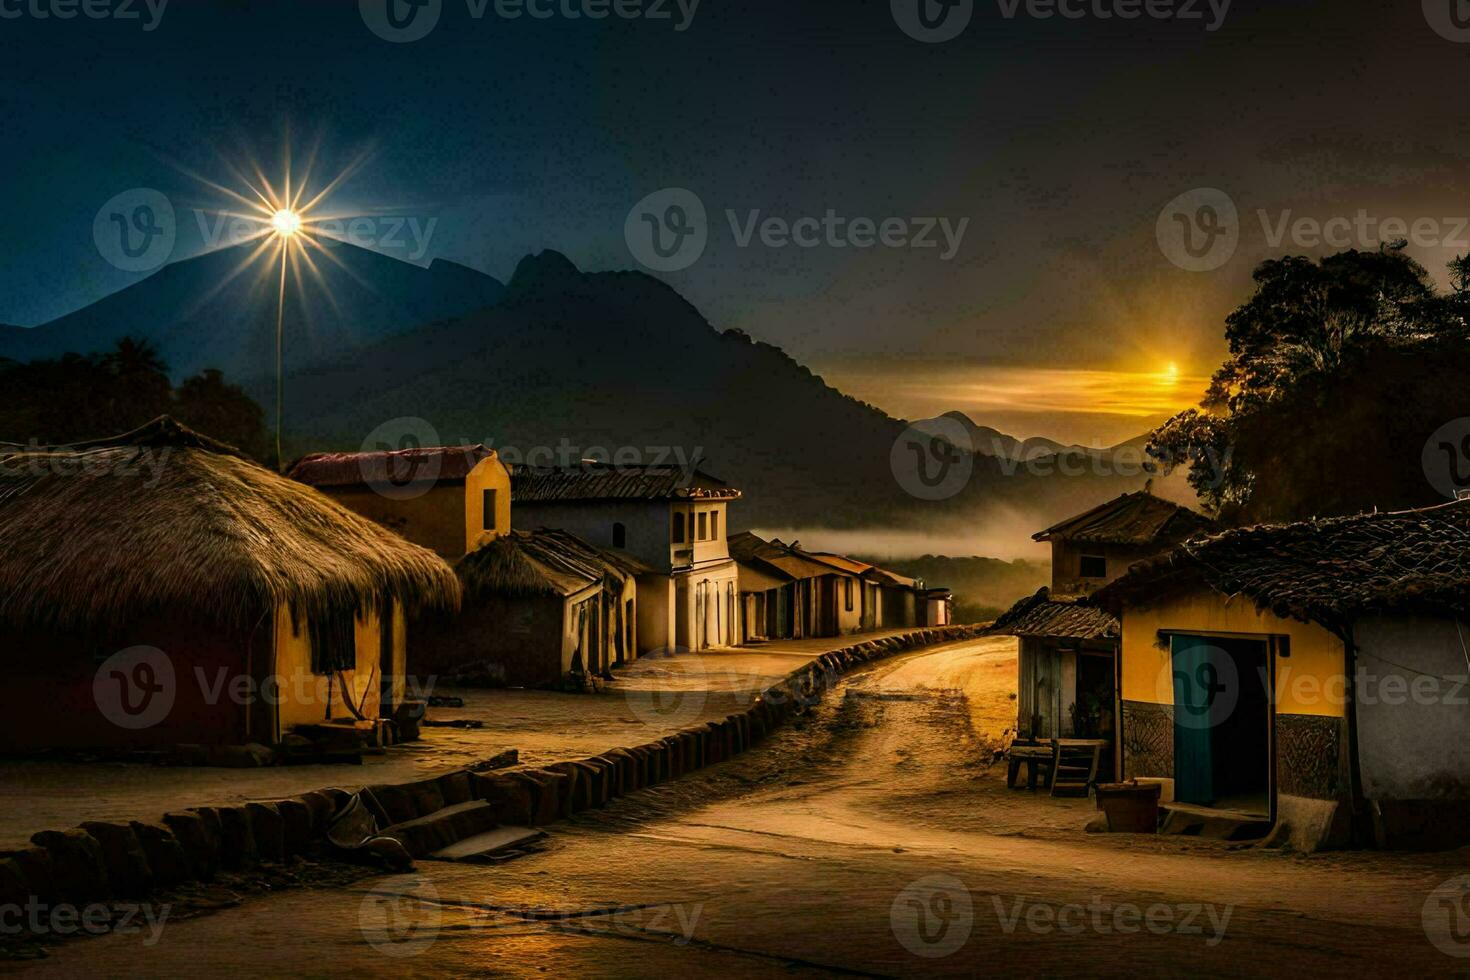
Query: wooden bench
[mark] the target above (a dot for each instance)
(1034, 756)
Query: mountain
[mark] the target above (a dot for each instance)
(992, 442)
(561, 364)
(591, 363)
(219, 310)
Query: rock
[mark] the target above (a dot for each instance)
(296, 825)
(128, 871)
(580, 789)
(320, 807)
(269, 831)
(34, 865)
(77, 863)
(388, 852)
(407, 717)
(426, 796)
(513, 800)
(200, 845)
(15, 888)
(339, 798)
(550, 794)
(249, 756)
(164, 852)
(396, 801)
(237, 837)
(455, 787)
(626, 779)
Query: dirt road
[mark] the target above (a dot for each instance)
(871, 838)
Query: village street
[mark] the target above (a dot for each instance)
(871, 837)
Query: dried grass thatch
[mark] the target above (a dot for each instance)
(161, 519)
(523, 564)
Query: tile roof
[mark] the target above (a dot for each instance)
(1322, 570)
(601, 481)
(1134, 518)
(1071, 617)
(397, 467)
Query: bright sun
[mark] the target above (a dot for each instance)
(286, 222)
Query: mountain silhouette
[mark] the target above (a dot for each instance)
(218, 311)
(602, 362)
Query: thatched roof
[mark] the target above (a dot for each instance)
(95, 534)
(1325, 571)
(1133, 519)
(1062, 617)
(442, 464)
(541, 563)
(590, 481)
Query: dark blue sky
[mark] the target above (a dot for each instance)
(1058, 139)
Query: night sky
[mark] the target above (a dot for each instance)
(1059, 139)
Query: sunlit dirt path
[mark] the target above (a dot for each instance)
(871, 838)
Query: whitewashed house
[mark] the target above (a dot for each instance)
(669, 518)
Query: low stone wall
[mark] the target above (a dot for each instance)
(99, 861)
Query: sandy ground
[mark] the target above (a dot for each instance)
(649, 699)
(871, 838)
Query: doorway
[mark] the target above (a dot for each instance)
(1222, 722)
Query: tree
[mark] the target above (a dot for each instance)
(1323, 405)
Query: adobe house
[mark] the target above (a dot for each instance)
(1066, 669)
(539, 606)
(670, 519)
(796, 594)
(1097, 546)
(1311, 675)
(194, 597)
(451, 499)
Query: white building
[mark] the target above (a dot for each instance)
(669, 518)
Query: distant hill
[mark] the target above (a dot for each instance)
(619, 359)
(212, 311)
(579, 363)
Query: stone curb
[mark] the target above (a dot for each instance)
(103, 859)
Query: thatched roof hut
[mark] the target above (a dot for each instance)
(99, 533)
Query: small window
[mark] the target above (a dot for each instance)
(1094, 566)
(703, 526)
(489, 510)
(620, 536)
(847, 593)
(678, 529)
(714, 525)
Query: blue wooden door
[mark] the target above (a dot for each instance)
(1196, 682)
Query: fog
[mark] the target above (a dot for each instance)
(1005, 533)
